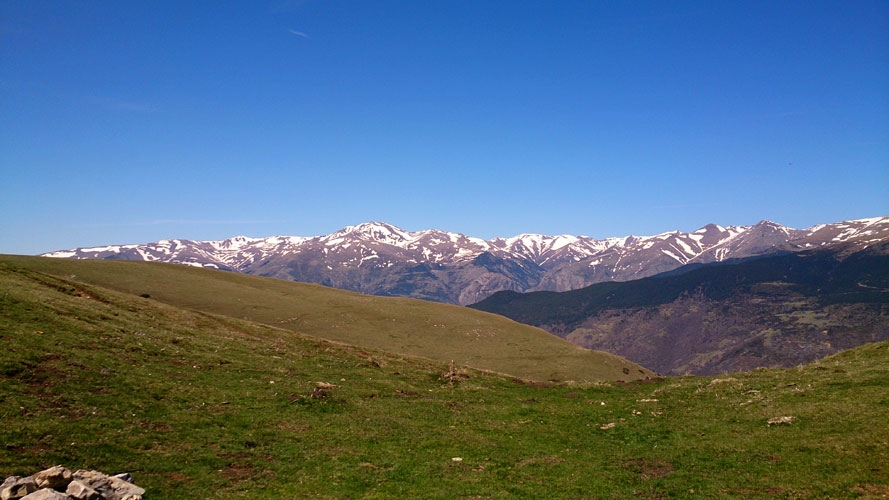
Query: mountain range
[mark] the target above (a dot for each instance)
(381, 259)
(778, 310)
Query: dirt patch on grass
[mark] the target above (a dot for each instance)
(540, 460)
(297, 428)
(648, 380)
(871, 491)
(650, 469)
(531, 383)
(405, 394)
(237, 472)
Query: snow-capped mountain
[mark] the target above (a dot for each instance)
(382, 259)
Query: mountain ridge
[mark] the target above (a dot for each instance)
(382, 259)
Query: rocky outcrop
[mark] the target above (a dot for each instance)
(59, 483)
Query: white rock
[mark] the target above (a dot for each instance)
(781, 420)
(78, 490)
(125, 489)
(56, 478)
(46, 494)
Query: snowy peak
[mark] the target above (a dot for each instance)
(545, 250)
(712, 234)
(370, 231)
(233, 243)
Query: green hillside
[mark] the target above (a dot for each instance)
(406, 326)
(202, 405)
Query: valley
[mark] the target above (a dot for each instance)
(774, 311)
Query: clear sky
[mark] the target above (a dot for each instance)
(130, 122)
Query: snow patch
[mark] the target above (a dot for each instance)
(111, 248)
(673, 256)
(367, 258)
(62, 254)
(685, 247)
(189, 263)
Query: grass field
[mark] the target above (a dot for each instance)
(412, 327)
(197, 403)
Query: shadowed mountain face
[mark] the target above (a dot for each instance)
(775, 311)
(381, 259)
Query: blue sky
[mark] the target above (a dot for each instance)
(130, 122)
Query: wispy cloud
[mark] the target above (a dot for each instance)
(299, 33)
(116, 104)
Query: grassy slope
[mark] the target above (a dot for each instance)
(204, 406)
(412, 327)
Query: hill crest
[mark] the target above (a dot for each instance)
(407, 327)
